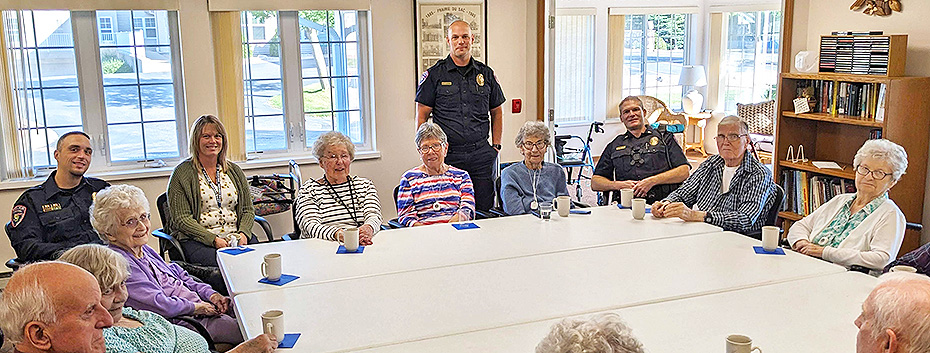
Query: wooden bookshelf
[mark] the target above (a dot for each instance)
(895, 59)
(836, 138)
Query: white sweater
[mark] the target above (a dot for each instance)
(873, 244)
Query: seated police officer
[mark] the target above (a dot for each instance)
(644, 159)
(53, 217)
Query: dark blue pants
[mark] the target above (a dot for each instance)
(478, 161)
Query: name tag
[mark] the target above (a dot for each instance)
(51, 207)
(446, 83)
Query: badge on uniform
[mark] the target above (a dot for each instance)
(446, 83)
(19, 211)
(654, 141)
(51, 207)
(480, 79)
(621, 147)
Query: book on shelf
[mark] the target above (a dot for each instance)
(805, 192)
(857, 99)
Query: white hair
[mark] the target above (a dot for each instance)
(429, 130)
(532, 128)
(103, 211)
(29, 302)
(902, 303)
(605, 333)
(108, 267)
(734, 120)
(332, 138)
(882, 149)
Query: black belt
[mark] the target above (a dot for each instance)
(468, 147)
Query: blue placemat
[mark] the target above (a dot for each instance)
(285, 279)
(290, 339)
(463, 226)
(342, 250)
(648, 208)
(760, 250)
(237, 250)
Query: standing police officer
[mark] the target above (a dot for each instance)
(53, 217)
(465, 101)
(644, 159)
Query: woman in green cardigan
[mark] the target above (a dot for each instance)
(208, 196)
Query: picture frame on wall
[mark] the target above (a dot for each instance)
(433, 18)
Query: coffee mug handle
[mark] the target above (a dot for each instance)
(269, 328)
(263, 272)
(756, 349)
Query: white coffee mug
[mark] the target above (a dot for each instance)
(639, 208)
(563, 204)
(740, 344)
(273, 324)
(770, 238)
(903, 268)
(350, 238)
(271, 267)
(626, 197)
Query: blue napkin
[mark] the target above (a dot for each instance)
(237, 250)
(290, 339)
(761, 251)
(580, 212)
(648, 208)
(285, 279)
(463, 226)
(342, 250)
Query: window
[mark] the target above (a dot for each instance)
(135, 117)
(750, 59)
(574, 67)
(654, 50)
(331, 93)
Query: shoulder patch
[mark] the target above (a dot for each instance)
(19, 212)
(423, 77)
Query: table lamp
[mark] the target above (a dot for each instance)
(692, 75)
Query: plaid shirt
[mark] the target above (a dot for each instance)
(919, 259)
(741, 208)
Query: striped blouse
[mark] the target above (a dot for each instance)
(321, 215)
(429, 199)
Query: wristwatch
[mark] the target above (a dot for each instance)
(497, 146)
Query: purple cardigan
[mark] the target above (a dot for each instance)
(145, 293)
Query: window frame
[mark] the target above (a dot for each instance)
(687, 52)
(724, 42)
(292, 83)
(589, 114)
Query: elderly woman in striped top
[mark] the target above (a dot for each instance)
(434, 192)
(328, 205)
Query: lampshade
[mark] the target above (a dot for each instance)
(692, 75)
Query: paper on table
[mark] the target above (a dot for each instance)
(826, 165)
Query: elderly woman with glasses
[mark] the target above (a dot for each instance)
(328, 205)
(434, 192)
(120, 215)
(525, 185)
(863, 228)
(139, 330)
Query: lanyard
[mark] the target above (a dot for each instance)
(535, 204)
(216, 187)
(352, 210)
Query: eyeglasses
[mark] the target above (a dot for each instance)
(540, 145)
(730, 137)
(876, 174)
(134, 222)
(333, 157)
(427, 148)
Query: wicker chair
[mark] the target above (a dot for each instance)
(657, 111)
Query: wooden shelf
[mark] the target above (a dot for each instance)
(828, 76)
(846, 173)
(840, 119)
(791, 216)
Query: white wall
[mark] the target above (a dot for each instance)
(512, 55)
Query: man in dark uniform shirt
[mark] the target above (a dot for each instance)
(464, 98)
(644, 159)
(53, 217)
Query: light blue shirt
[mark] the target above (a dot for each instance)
(518, 191)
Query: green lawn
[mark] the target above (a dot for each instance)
(315, 99)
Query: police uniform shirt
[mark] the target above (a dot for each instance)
(461, 99)
(47, 220)
(635, 158)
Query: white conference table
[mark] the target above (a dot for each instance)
(373, 311)
(808, 315)
(439, 245)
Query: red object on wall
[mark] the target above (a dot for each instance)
(517, 106)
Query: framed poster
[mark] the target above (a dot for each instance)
(433, 18)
